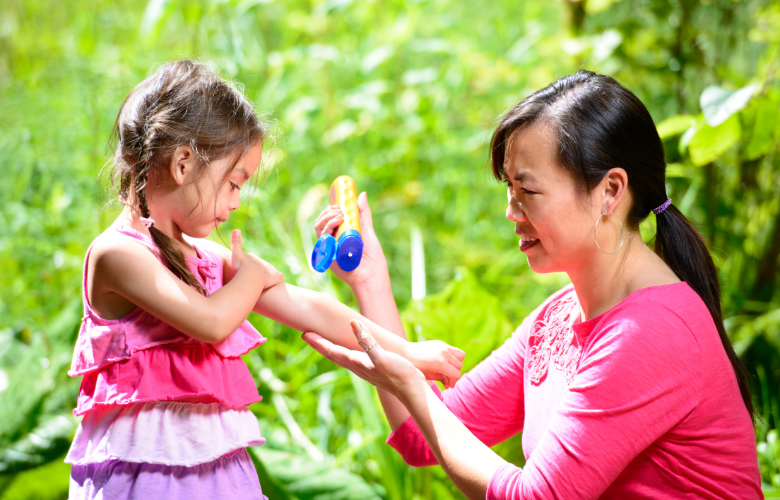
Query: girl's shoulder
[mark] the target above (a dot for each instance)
(115, 246)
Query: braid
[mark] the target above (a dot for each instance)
(169, 250)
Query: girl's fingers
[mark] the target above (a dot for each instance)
(235, 242)
(460, 355)
(454, 361)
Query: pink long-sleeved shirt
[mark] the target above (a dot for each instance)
(639, 402)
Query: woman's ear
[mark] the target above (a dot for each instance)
(614, 187)
(182, 164)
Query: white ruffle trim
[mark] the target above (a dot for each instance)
(167, 433)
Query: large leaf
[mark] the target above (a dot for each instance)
(708, 143)
(765, 129)
(464, 314)
(675, 125)
(719, 104)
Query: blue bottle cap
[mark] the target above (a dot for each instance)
(323, 253)
(349, 250)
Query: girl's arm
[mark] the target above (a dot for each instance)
(133, 272)
(309, 311)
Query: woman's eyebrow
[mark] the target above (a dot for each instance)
(522, 176)
(243, 172)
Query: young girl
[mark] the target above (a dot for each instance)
(165, 393)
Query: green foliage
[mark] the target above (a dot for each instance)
(401, 95)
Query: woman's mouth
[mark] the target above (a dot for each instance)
(527, 242)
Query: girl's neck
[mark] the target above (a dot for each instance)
(608, 279)
(130, 218)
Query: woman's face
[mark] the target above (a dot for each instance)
(552, 215)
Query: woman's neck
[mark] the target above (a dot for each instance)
(608, 279)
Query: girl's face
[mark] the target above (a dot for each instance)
(204, 204)
(552, 216)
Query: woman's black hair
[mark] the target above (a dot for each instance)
(601, 125)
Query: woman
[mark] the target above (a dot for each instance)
(624, 383)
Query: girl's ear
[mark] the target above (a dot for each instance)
(614, 187)
(182, 164)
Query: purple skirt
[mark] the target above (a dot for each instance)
(229, 477)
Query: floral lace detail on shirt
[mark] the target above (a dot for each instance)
(550, 339)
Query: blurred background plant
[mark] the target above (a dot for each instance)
(402, 95)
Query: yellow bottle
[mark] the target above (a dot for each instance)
(347, 247)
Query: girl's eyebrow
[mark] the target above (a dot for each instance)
(243, 173)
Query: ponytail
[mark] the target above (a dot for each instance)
(683, 249)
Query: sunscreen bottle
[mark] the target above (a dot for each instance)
(347, 247)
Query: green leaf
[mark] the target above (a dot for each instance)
(464, 315)
(708, 143)
(719, 104)
(765, 129)
(675, 125)
(311, 480)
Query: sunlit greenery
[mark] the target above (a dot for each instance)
(402, 95)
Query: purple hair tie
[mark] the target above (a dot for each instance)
(663, 207)
(147, 222)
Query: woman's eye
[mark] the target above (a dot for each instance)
(527, 191)
(234, 186)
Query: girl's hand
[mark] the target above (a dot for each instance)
(382, 368)
(255, 264)
(373, 264)
(437, 360)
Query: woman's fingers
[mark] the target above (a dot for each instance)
(326, 216)
(346, 358)
(332, 225)
(365, 339)
(366, 219)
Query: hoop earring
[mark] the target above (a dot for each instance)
(622, 234)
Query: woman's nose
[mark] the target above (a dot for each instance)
(514, 210)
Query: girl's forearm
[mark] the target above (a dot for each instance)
(310, 311)
(467, 461)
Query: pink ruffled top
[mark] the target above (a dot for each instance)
(139, 358)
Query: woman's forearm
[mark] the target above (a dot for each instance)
(377, 303)
(467, 461)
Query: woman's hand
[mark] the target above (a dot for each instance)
(382, 368)
(373, 265)
(240, 259)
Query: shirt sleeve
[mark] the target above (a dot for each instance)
(488, 400)
(639, 376)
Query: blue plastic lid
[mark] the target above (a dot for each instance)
(323, 253)
(349, 250)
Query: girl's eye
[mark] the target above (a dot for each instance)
(507, 183)
(234, 186)
(527, 191)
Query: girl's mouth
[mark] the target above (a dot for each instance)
(527, 242)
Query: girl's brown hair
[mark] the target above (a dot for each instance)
(600, 125)
(183, 103)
